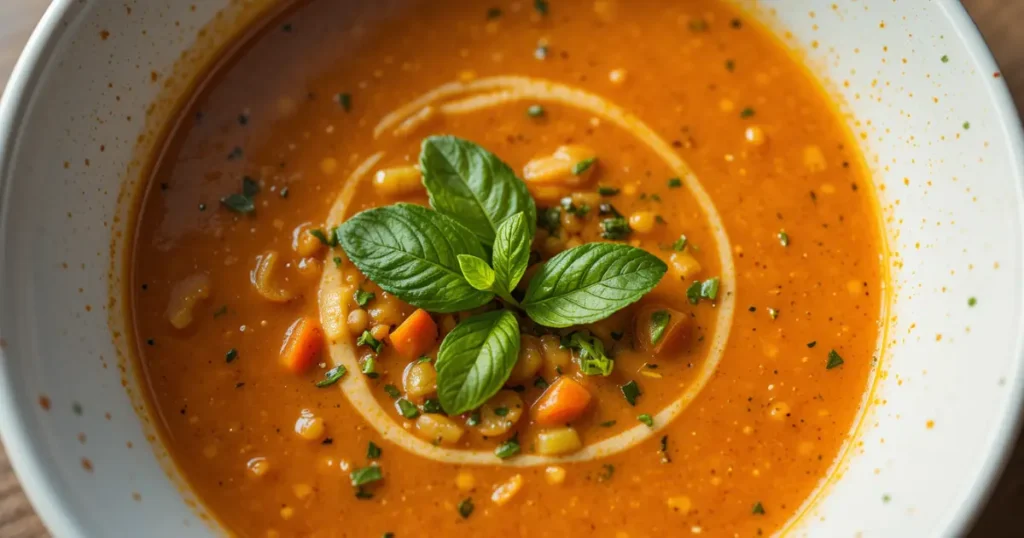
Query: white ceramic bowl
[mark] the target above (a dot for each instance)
(89, 96)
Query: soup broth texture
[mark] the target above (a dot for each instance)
(534, 268)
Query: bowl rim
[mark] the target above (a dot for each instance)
(1003, 440)
(39, 482)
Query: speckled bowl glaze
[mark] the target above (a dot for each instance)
(99, 81)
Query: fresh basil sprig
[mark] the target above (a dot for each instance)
(475, 245)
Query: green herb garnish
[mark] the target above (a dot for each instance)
(630, 391)
(535, 111)
(659, 322)
(679, 245)
(367, 339)
(834, 360)
(319, 234)
(238, 203)
(616, 228)
(365, 475)
(408, 409)
(607, 191)
(707, 289)
(590, 354)
(432, 406)
(332, 376)
(541, 6)
(646, 419)
(971, 301)
(392, 391)
(231, 355)
(583, 166)
(466, 508)
(509, 448)
(773, 313)
(747, 112)
(372, 451)
(345, 100)
(675, 183)
(758, 510)
(783, 238)
(607, 470)
(243, 202)
(370, 366)
(363, 297)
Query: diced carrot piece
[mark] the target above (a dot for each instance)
(302, 345)
(415, 336)
(563, 402)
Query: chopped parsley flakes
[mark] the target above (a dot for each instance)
(631, 391)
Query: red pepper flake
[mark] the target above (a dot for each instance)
(87, 465)
(997, 74)
(44, 402)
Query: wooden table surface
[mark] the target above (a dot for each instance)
(999, 21)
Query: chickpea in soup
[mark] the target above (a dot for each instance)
(493, 268)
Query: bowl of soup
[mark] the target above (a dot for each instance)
(534, 268)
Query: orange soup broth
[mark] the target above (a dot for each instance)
(765, 429)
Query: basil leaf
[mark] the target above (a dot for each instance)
(477, 272)
(476, 359)
(472, 186)
(589, 283)
(412, 252)
(512, 251)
